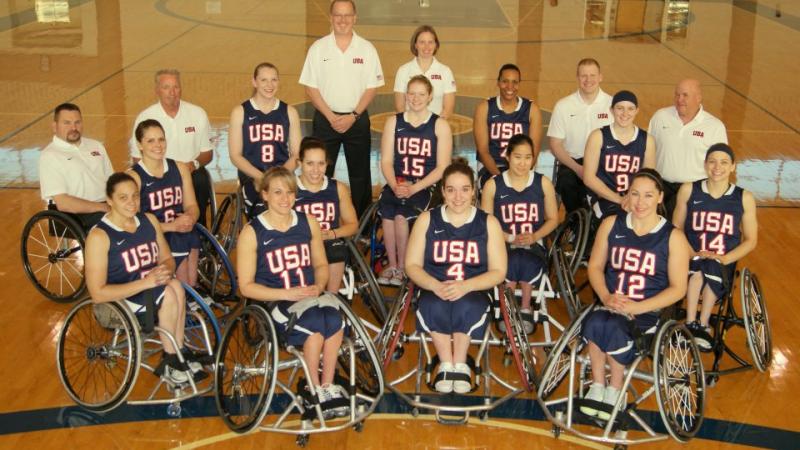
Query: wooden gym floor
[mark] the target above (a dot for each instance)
(102, 56)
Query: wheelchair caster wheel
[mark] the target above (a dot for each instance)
(483, 416)
(711, 380)
(556, 430)
(620, 447)
(302, 440)
(359, 427)
(414, 412)
(174, 410)
(506, 361)
(398, 353)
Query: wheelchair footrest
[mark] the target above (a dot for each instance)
(623, 421)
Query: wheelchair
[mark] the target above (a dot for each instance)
(455, 408)
(667, 367)
(754, 319)
(216, 278)
(102, 347)
(51, 249)
(252, 364)
(229, 219)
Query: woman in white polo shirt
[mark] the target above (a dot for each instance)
(424, 45)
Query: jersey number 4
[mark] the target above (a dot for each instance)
(456, 272)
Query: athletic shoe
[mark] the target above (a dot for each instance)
(596, 392)
(527, 320)
(324, 394)
(174, 376)
(337, 392)
(462, 386)
(442, 383)
(386, 276)
(702, 335)
(397, 278)
(610, 397)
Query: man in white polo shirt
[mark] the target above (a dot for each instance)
(574, 118)
(186, 128)
(683, 132)
(341, 73)
(73, 169)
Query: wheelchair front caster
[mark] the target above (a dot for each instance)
(483, 416)
(414, 412)
(174, 410)
(711, 380)
(620, 447)
(359, 427)
(556, 430)
(302, 440)
(398, 352)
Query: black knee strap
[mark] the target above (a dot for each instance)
(149, 321)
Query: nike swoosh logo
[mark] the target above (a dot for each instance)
(504, 196)
(325, 59)
(609, 146)
(69, 159)
(437, 231)
(617, 236)
(573, 115)
(664, 127)
(120, 242)
(496, 115)
(251, 118)
(267, 242)
(696, 202)
(150, 183)
(297, 199)
(400, 129)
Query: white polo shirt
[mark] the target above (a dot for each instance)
(441, 78)
(681, 149)
(80, 171)
(573, 120)
(342, 77)
(187, 133)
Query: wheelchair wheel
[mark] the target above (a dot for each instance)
(369, 377)
(52, 255)
(518, 340)
(366, 223)
(98, 355)
(558, 360)
(198, 312)
(215, 275)
(679, 381)
(756, 321)
(245, 369)
(571, 236)
(389, 336)
(566, 283)
(366, 285)
(228, 221)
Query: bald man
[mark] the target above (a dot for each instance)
(683, 132)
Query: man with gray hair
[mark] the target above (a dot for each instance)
(683, 132)
(186, 129)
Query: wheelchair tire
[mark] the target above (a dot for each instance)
(679, 381)
(368, 373)
(566, 284)
(392, 330)
(366, 223)
(521, 349)
(367, 286)
(90, 354)
(571, 236)
(559, 359)
(199, 312)
(228, 221)
(756, 321)
(246, 366)
(50, 246)
(216, 278)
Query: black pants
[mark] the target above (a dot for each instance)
(570, 187)
(670, 195)
(201, 180)
(357, 145)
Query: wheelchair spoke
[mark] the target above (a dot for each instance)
(43, 242)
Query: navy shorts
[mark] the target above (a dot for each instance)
(389, 206)
(526, 265)
(336, 250)
(603, 208)
(713, 277)
(612, 332)
(136, 302)
(253, 202)
(325, 320)
(468, 315)
(180, 244)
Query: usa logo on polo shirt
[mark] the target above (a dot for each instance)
(436, 76)
(602, 115)
(358, 60)
(188, 130)
(697, 133)
(95, 153)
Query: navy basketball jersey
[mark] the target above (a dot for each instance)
(265, 137)
(519, 211)
(502, 126)
(283, 258)
(131, 256)
(162, 197)
(637, 266)
(619, 162)
(322, 205)
(713, 224)
(414, 148)
(456, 253)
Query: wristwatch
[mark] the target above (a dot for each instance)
(356, 115)
(196, 164)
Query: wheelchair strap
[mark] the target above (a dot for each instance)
(149, 322)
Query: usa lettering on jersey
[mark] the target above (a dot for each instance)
(504, 131)
(166, 198)
(289, 258)
(711, 227)
(634, 265)
(272, 132)
(456, 253)
(324, 212)
(140, 256)
(414, 146)
(622, 166)
(520, 217)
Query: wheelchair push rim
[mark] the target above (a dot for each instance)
(756, 321)
(51, 248)
(558, 362)
(518, 340)
(245, 379)
(679, 381)
(92, 356)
